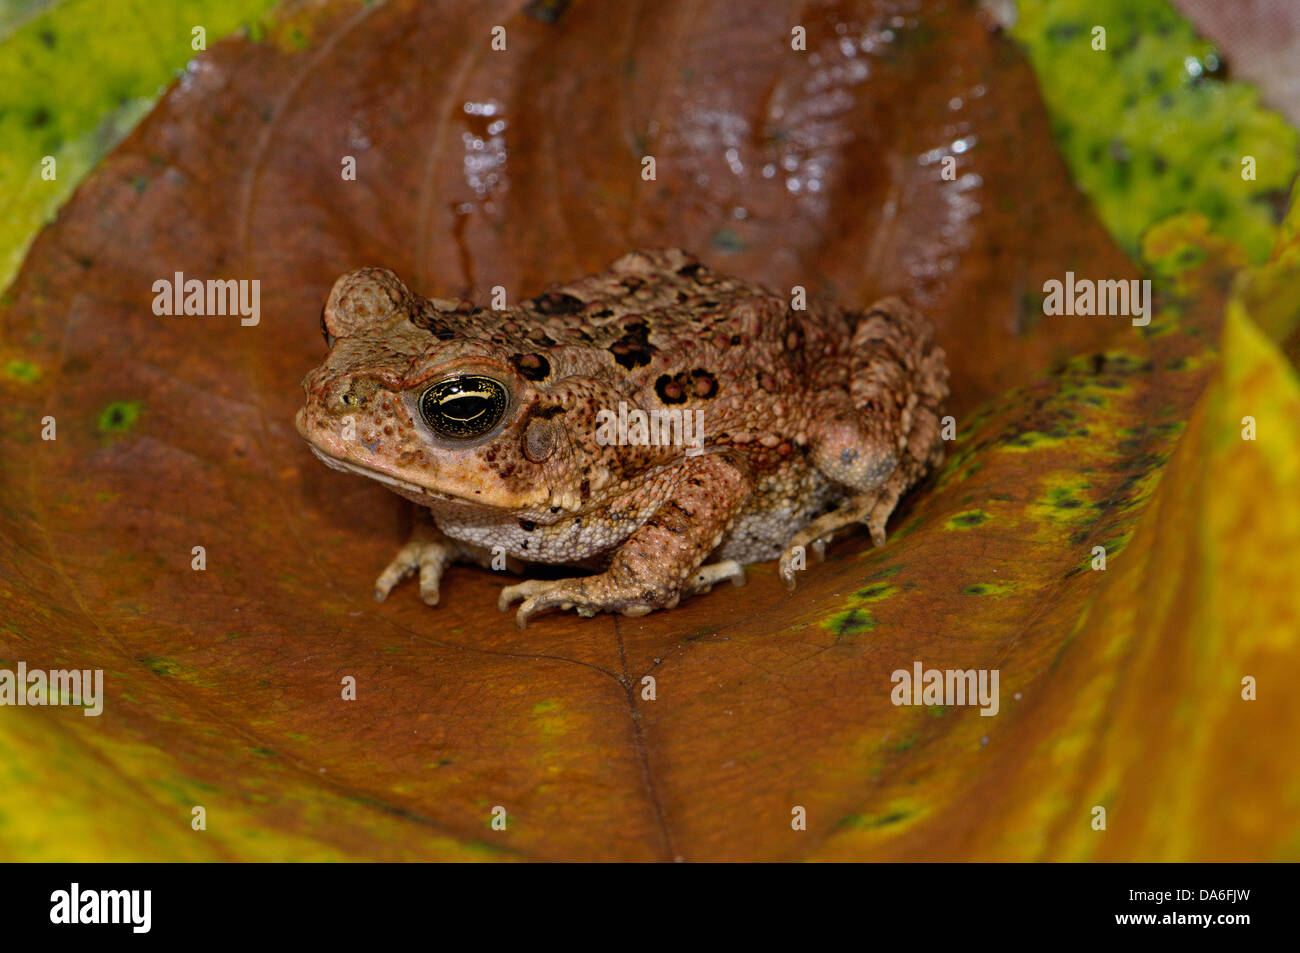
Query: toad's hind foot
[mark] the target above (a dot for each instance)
(709, 576)
(524, 590)
(604, 592)
(816, 534)
(873, 509)
(585, 594)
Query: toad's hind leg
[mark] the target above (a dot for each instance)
(663, 560)
(880, 437)
(705, 578)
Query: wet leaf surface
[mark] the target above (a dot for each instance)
(521, 168)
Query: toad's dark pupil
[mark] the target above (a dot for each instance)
(464, 407)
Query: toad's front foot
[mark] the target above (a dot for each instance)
(428, 552)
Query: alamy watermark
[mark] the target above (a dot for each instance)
(74, 687)
(1083, 296)
(179, 295)
(654, 428)
(74, 905)
(949, 687)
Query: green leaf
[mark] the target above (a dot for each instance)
(1148, 128)
(75, 78)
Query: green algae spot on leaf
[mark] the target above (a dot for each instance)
(119, 416)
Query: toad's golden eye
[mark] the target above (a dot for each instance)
(462, 408)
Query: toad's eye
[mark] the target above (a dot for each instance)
(462, 408)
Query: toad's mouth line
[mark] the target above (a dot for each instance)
(360, 469)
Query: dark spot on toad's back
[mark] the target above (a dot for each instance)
(557, 302)
(633, 348)
(533, 367)
(431, 321)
